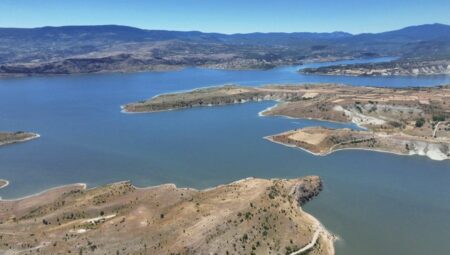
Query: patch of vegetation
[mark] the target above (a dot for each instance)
(420, 122)
(438, 117)
(273, 192)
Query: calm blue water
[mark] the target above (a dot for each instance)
(377, 203)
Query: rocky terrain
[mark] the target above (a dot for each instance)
(404, 121)
(400, 68)
(15, 137)
(112, 48)
(251, 216)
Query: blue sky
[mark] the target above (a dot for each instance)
(229, 16)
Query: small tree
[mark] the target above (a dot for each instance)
(420, 122)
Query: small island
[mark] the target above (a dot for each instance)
(16, 137)
(250, 216)
(403, 121)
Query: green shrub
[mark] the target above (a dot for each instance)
(420, 122)
(438, 117)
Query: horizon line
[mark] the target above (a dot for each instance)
(209, 32)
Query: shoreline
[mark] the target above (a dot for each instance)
(343, 149)
(31, 75)
(83, 187)
(124, 111)
(376, 76)
(321, 232)
(176, 68)
(261, 114)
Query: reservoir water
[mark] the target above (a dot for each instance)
(377, 203)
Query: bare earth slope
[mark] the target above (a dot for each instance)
(251, 216)
(15, 137)
(404, 121)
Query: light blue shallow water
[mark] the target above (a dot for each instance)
(377, 203)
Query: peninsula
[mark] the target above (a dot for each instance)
(250, 216)
(16, 137)
(403, 121)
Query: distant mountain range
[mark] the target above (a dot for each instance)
(105, 48)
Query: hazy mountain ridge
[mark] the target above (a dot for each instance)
(126, 33)
(82, 49)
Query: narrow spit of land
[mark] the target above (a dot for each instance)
(16, 137)
(402, 121)
(3, 183)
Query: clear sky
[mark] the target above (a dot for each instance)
(229, 16)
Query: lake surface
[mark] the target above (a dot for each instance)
(377, 203)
